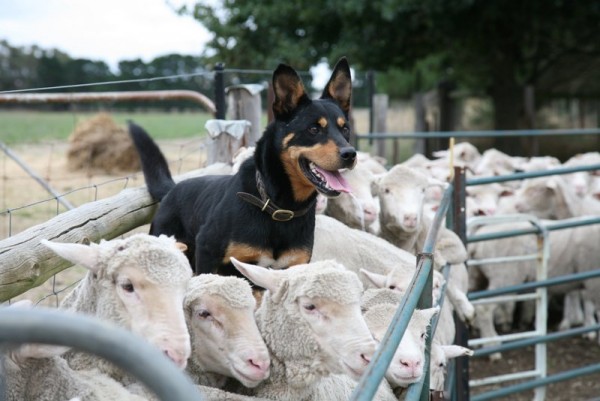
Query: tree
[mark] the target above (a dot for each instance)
(494, 47)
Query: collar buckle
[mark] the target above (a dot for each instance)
(282, 215)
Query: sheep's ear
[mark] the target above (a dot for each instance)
(453, 351)
(376, 183)
(378, 280)
(37, 351)
(24, 303)
(433, 182)
(84, 255)
(261, 276)
(429, 313)
(552, 184)
(181, 246)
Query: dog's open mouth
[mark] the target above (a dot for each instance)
(329, 183)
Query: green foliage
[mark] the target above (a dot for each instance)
(494, 48)
(33, 67)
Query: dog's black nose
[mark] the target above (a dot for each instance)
(348, 154)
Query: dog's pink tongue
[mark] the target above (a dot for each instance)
(335, 180)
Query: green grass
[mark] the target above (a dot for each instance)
(36, 126)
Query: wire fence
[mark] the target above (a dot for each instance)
(24, 202)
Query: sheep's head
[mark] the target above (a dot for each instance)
(359, 208)
(401, 194)
(140, 282)
(318, 307)
(225, 339)
(407, 365)
(396, 280)
(440, 354)
(546, 198)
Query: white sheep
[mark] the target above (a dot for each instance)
(440, 351)
(219, 311)
(500, 275)
(40, 374)
(311, 321)
(439, 356)
(552, 198)
(399, 281)
(356, 249)
(358, 209)
(582, 181)
(485, 198)
(37, 372)
(401, 194)
(409, 358)
(138, 283)
(495, 162)
(464, 153)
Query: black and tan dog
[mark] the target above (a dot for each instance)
(264, 214)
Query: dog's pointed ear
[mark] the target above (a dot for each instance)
(289, 91)
(339, 87)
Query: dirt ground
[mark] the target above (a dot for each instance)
(563, 355)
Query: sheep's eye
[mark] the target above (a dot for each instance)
(423, 336)
(314, 130)
(441, 365)
(392, 287)
(386, 190)
(127, 287)
(204, 314)
(309, 307)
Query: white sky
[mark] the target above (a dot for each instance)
(107, 30)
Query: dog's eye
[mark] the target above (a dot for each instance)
(345, 130)
(314, 130)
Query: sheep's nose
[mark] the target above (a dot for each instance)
(410, 220)
(410, 364)
(348, 155)
(262, 365)
(177, 357)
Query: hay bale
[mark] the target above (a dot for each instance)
(100, 144)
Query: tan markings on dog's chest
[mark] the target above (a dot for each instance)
(245, 253)
(324, 155)
(263, 257)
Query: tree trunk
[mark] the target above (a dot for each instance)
(507, 98)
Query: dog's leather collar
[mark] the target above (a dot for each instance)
(266, 205)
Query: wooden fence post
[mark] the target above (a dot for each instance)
(380, 106)
(227, 136)
(244, 103)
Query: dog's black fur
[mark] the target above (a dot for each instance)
(208, 215)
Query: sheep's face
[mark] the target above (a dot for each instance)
(580, 182)
(407, 364)
(440, 354)
(401, 195)
(341, 332)
(437, 368)
(139, 283)
(402, 207)
(226, 340)
(359, 208)
(154, 310)
(538, 197)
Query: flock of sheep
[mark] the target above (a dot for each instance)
(317, 326)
